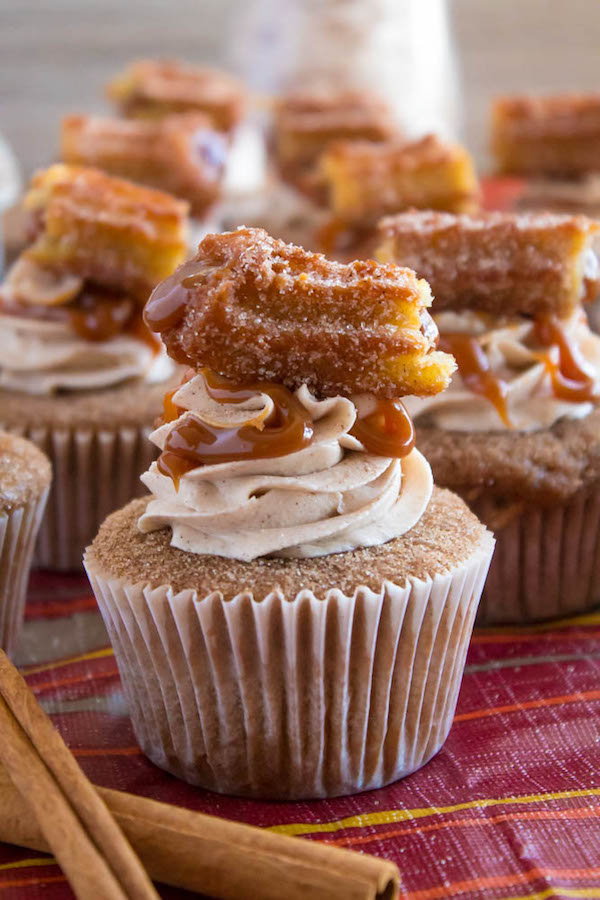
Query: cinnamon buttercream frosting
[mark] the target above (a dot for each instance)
(329, 497)
(521, 364)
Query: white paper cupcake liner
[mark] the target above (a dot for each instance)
(18, 530)
(546, 564)
(94, 473)
(294, 699)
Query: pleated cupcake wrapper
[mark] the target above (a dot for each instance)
(546, 564)
(18, 530)
(94, 473)
(294, 699)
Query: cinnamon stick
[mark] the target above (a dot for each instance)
(72, 818)
(223, 859)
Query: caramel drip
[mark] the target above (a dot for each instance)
(192, 443)
(474, 367)
(386, 431)
(99, 316)
(570, 378)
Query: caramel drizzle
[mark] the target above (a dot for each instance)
(475, 371)
(386, 430)
(571, 379)
(99, 316)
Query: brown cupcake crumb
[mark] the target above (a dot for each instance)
(545, 467)
(25, 472)
(133, 403)
(447, 534)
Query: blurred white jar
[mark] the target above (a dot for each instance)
(401, 49)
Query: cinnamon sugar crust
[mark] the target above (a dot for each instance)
(133, 403)
(180, 154)
(152, 89)
(366, 181)
(501, 263)
(253, 308)
(306, 123)
(114, 233)
(446, 536)
(25, 472)
(545, 467)
(556, 135)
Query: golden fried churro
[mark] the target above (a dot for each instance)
(502, 263)
(307, 122)
(253, 308)
(180, 154)
(105, 230)
(555, 136)
(152, 89)
(366, 181)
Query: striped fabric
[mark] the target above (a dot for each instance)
(510, 808)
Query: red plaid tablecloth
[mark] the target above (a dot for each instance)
(510, 808)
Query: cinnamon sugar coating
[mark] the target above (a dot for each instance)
(25, 472)
(180, 154)
(152, 89)
(544, 467)
(365, 181)
(446, 536)
(253, 308)
(553, 135)
(104, 229)
(502, 263)
(306, 122)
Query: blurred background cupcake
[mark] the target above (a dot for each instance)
(80, 374)
(25, 476)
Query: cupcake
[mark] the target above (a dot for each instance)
(25, 476)
(291, 606)
(517, 433)
(80, 374)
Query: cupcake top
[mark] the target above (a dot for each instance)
(509, 303)
(70, 307)
(288, 436)
(25, 472)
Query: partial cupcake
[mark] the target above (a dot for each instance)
(25, 476)
(517, 433)
(553, 143)
(291, 606)
(80, 374)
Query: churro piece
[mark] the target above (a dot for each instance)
(105, 230)
(554, 136)
(253, 308)
(501, 263)
(307, 122)
(180, 154)
(152, 89)
(366, 181)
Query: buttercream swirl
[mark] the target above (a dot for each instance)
(42, 356)
(513, 356)
(329, 497)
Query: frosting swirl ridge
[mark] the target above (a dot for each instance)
(328, 497)
(522, 366)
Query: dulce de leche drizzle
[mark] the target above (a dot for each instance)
(192, 443)
(386, 430)
(571, 379)
(100, 316)
(475, 370)
(167, 303)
